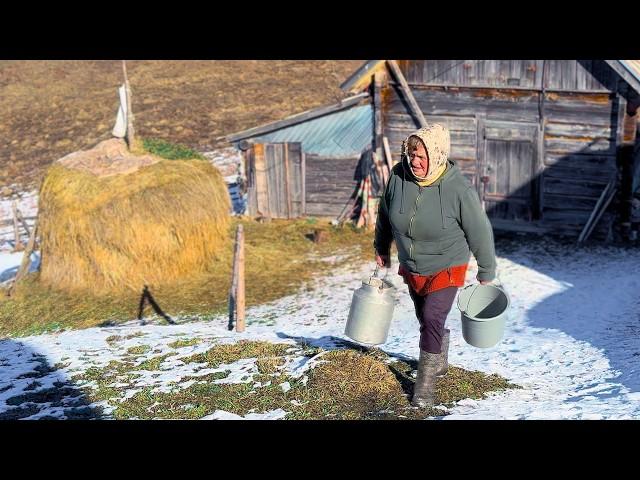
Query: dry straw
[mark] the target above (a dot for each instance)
(104, 230)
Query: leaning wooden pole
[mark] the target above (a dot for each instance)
(130, 130)
(406, 91)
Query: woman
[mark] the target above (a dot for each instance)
(434, 215)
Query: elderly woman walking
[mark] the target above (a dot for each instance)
(434, 215)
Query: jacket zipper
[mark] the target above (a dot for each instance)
(415, 211)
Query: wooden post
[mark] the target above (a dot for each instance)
(18, 247)
(240, 283)
(130, 130)
(233, 291)
(303, 172)
(286, 179)
(406, 91)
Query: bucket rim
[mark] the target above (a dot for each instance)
(474, 318)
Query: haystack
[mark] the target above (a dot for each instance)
(111, 220)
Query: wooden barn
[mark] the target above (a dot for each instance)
(550, 145)
(305, 164)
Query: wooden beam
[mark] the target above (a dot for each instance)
(626, 75)
(387, 153)
(377, 112)
(629, 128)
(406, 91)
(598, 210)
(287, 190)
(303, 181)
(361, 77)
(261, 184)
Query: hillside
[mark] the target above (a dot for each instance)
(51, 108)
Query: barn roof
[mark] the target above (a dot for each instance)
(629, 70)
(357, 77)
(342, 129)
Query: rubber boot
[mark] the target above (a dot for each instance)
(425, 387)
(444, 355)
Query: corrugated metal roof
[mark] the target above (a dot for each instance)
(344, 133)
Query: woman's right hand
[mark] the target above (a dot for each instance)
(383, 260)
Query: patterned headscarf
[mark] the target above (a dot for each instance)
(437, 143)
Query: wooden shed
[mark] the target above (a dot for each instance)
(550, 145)
(305, 164)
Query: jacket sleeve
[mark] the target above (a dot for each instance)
(383, 234)
(479, 233)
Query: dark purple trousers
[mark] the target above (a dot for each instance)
(432, 310)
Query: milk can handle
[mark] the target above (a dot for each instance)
(375, 272)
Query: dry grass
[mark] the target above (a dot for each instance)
(280, 260)
(50, 108)
(354, 385)
(161, 223)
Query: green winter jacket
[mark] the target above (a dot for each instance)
(437, 226)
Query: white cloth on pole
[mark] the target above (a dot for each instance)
(120, 128)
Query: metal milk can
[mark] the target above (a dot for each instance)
(371, 311)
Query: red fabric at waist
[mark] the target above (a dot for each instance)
(423, 284)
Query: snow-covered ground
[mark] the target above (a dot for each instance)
(572, 339)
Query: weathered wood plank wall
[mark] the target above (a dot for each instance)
(275, 189)
(577, 110)
(329, 184)
(575, 75)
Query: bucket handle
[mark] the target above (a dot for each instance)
(500, 286)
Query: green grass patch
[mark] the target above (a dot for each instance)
(113, 340)
(229, 353)
(153, 363)
(170, 151)
(280, 260)
(188, 342)
(139, 350)
(347, 384)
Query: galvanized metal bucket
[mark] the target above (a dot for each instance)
(371, 311)
(483, 310)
